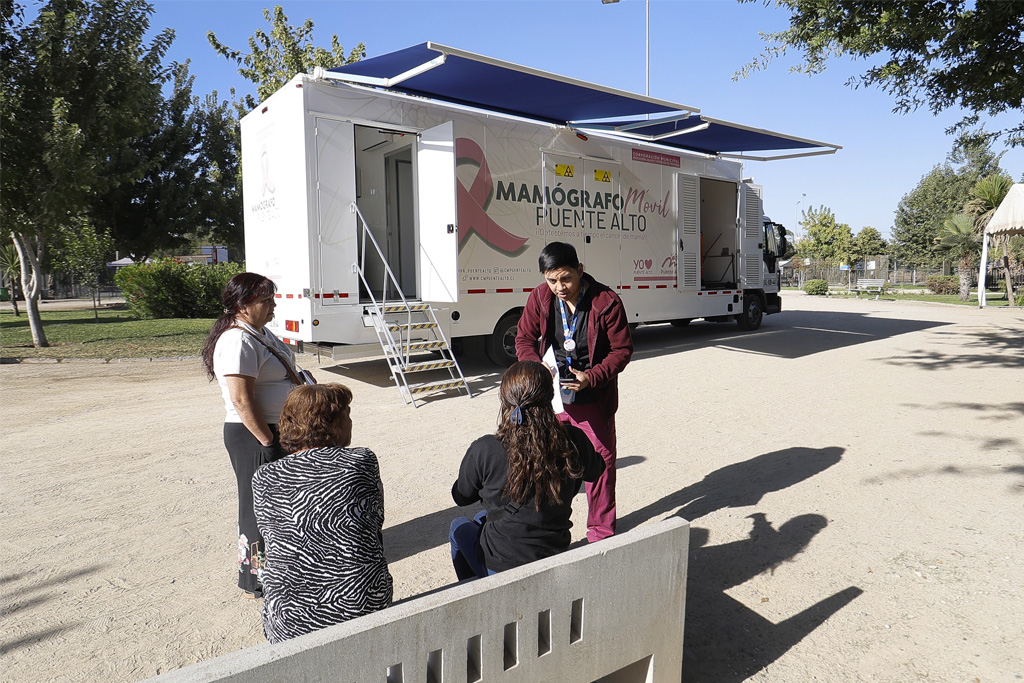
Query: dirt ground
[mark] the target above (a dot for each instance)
(853, 472)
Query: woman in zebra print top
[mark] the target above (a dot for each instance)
(321, 512)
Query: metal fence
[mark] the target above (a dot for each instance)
(798, 271)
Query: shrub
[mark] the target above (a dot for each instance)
(943, 284)
(171, 289)
(816, 287)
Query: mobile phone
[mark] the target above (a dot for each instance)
(568, 380)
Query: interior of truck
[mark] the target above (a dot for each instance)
(718, 235)
(385, 194)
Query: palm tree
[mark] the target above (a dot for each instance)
(958, 241)
(10, 271)
(989, 193)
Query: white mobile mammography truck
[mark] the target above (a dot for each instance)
(433, 176)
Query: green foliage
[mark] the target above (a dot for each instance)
(816, 287)
(941, 193)
(82, 251)
(869, 242)
(937, 53)
(107, 333)
(171, 289)
(826, 238)
(958, 241)
(943, 284)
(274, 58)
(986, 196)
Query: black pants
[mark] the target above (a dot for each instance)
(247, 455)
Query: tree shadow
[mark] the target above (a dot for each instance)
(738, 485)
(7, 647)
(726, 641)
(793, 335)
(976, 347)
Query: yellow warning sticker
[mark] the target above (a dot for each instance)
(602, 176)
(564, 171)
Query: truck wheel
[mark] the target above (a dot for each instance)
(753, 312)
(501, 345)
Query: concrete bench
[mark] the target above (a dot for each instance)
(609, 612)
(869, 285)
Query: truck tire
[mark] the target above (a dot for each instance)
(501, 345)
(752, 314)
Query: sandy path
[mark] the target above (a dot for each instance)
(854, 473)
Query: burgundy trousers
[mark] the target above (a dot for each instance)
(600, 429)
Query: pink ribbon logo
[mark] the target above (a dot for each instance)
(473, 204)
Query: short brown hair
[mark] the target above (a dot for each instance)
(312, 416)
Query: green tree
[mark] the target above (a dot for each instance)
(189, 191)
(959, 242)
(275, 57)
(937, 53)
(944, 191)
(79, 87)
(80, 250)
(827, 239)
(869, 242)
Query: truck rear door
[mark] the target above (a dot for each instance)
(435, 201)
(688, 232)
(336, 250)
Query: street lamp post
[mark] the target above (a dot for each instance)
(796, 215)
(647, 31)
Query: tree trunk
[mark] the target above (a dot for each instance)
(965, 279)
(1007, 276)
(31, 279)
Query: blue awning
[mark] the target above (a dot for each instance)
(452, 75)
(699, 133)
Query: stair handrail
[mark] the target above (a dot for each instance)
(388, 274)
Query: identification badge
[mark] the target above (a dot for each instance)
(568, 395)
(569, 345)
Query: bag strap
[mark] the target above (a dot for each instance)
(287, 366)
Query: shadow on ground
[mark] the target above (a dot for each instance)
(19, 594)
(726, 641)
(738, 485)
(793, 334)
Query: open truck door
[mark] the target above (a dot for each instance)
(438, 229)
(336, 222)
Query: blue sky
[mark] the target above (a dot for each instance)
(695, 47)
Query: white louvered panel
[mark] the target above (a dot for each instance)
(689, 270)
(688, 205)
(752, 271)
(752, 229)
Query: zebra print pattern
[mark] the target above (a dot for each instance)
(321, 513)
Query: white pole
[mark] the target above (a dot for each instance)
(647, 85)
(981, 271)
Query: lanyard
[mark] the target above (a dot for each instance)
(569, 329)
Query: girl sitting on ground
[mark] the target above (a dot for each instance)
(321, 512)
(525, 474)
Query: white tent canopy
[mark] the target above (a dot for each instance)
(1008, 219)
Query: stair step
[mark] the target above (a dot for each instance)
(402, 309)
(398, 327)
(436, 386)
(421, 346)
(429, 365)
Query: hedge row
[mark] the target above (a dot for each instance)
(171, 289)
(943, 284)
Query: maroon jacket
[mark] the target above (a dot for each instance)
(611, 345)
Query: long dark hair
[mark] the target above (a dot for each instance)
(539, 452)
(241, 290)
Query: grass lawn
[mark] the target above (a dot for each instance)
(77, 334)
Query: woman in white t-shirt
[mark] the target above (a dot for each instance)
(248, 362)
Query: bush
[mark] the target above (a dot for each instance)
(171, 289)
(816, 287)
(943, 284)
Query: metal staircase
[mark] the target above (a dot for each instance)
(407, 330)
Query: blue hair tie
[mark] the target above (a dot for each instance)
(516, 416)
